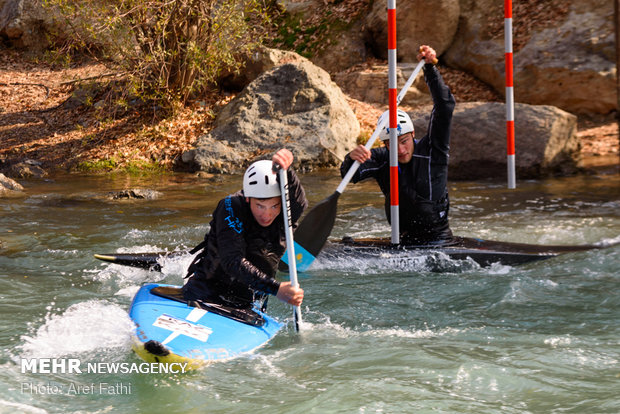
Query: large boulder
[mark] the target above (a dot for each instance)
(546, 140)
(26, 168)
(371, 84)
(295, 105)
(23, 23)
(569, 63)
(9, 187)
(34, 25)
(417, 22)
(257, 63)
(135, 194)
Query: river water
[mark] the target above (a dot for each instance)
(537, 338)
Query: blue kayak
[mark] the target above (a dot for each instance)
(168, 330)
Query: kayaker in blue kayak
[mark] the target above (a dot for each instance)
(246, 239)
(422, 165)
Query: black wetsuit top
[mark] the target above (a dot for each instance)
(422, 182)
(241, 257)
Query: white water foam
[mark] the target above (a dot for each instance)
(141, 248)
(128, 292)
(332, 329)
(267, 366)
(558, 341)
(119, 277)
(64, 253)
(179, 235)
(413, 334)
(14, 407)
(83, 327)
(499, 269)
(173, 269)
(401, 261)
(608, 242)
(176, 266)
(554, 230)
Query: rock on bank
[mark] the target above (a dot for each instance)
(294, 105)
(546, 143)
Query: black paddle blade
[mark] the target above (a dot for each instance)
(148, 261)
(313, 231)
(317, 225)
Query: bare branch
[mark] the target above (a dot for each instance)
(47, 89)
(104, 75)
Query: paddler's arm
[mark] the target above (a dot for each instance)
(289, 294)
(244, 271)
(443, 106)
(371, 161)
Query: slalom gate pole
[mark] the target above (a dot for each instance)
(510, 113)
(393, 121)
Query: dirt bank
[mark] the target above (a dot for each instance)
(42, 117)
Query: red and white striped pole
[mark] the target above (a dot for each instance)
(510, 112)
(393, 123)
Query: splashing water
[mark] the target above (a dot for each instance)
(85, 327)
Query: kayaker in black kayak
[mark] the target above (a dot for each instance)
(246, 240)
(422, 165)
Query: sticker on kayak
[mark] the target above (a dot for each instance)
(183, 327)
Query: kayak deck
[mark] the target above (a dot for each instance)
(168, 330)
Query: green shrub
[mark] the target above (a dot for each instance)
(170, 51)
(104, 165)
(131, 167)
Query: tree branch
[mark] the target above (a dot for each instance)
(104, 75)
(47, 89)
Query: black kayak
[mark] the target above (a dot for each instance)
(483, 252)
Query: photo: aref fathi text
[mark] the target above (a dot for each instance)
(74, 388)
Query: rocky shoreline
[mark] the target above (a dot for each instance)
(57, 118)
(43, 120)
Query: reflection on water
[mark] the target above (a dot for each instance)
(542, 337)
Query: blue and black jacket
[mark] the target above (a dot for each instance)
(240, 256)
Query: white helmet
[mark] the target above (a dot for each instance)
(404, 124)
(259, 180)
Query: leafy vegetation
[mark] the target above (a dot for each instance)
(168, 51)
(144, 75)
(308, 36)
(135, 167)
(103, 165)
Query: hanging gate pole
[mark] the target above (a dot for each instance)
(510, 113)
(393, 123)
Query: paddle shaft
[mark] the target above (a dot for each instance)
(290, 245)
(347, 178)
